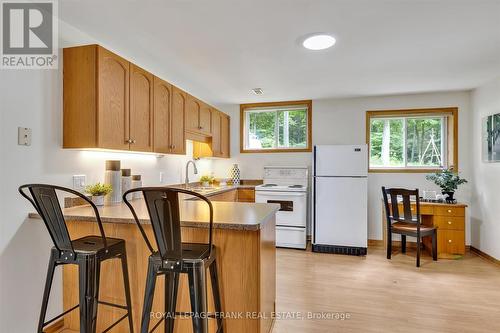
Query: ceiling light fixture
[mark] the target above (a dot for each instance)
(319, 42)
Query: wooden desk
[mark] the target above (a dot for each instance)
(449, 219)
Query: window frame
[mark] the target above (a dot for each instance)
(450, 138)
(291, 104)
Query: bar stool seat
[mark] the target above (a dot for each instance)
(95, 245)
(174, 257)
(86, 252)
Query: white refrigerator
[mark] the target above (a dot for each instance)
(340, 199)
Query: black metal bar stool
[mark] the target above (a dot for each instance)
(174, 257)
(87, 252)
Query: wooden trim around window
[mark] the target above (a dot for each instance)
(243, 107)
(452, 128)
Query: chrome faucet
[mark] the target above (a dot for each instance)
(187, 172)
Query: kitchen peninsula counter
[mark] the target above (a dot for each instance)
(244, 234)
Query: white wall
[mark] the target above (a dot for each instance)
(33, 98)
(485, 213)
(342, 121)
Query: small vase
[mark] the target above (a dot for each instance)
(235, 174)
(98, 200)
(205, 184)
(449, 197)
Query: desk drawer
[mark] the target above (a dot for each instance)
(424, 210)
(449, 211)
(449, 222)
(451, 241)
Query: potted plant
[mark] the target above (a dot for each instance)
(206, 181)
(98, 191)
(448, 181)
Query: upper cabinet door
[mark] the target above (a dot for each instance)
(224, 136)
(162, 103)
(113, 101)
(141, 109)
(205, 119)
(177, 140)
(216, 133)
(193, 114)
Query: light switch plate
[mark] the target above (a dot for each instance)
(79, 183)
(24, 136)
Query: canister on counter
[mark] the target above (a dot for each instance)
(112, 176)
(136, 183)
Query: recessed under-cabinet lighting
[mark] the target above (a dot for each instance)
(319, 42)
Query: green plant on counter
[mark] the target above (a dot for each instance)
(206, 179)
(446, 179)
(98, 189)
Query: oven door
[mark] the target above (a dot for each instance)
(293, 206)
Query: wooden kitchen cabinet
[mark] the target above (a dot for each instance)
(205, 119)
(162, 107)
(198, 116)
(228, 196)
(216, 133)
(224, 136)
(177, 135)
(246, 194)
(218, 145)
(111, 103)
(108, 102)
(141, 109)
(193, 107)
(95, 118)
(169, 105)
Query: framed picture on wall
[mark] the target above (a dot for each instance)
(491, 138)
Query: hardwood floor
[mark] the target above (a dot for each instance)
(383, 295)
(386, 296)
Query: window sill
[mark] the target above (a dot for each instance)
(258, 151)
(403, 170)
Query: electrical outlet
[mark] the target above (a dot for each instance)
(24, 136)
(79, 182)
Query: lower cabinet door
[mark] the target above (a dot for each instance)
(291, 237)
(451, 242)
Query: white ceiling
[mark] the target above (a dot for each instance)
(220, 49)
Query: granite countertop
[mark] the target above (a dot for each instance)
(227, 215)
(220, 189)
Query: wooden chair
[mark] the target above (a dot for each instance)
(406, 224)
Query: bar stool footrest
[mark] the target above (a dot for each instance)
(61, 315)
(116, 322)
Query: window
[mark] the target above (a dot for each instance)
(412, 140)
(275, 127)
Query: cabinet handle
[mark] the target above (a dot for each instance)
(449, 222)
(449, 240)
(449, 210)
(128, 141)
(200, 127)
(132, 141)
(173, 146)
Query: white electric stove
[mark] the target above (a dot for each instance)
(287, 186)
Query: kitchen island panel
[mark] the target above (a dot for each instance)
(247, 276)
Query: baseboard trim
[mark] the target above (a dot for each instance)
(380, 244)
(56, 327)
(485, 255)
